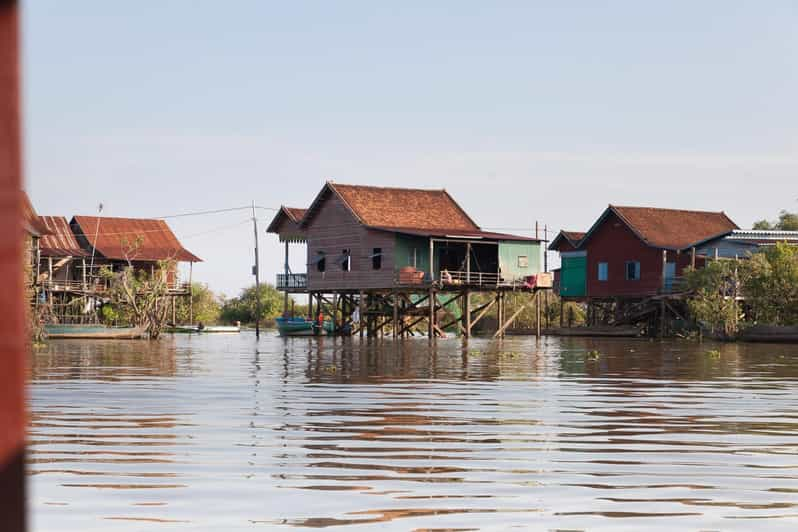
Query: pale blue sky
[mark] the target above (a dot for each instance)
(524, 111)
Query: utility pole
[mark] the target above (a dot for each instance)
(256, 273)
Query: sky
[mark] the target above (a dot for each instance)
(524, 111)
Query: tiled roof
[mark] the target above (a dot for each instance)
(117, 235)
(674, 228)
(60, 242)
(295, 214)
(458, 233)
(572, 237)
(407, 208)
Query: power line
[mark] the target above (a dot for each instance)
(214, 211)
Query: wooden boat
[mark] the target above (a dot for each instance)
(93, 332)
(301, 327)
(595, 332)
(205, 329)
(770, 334)
(220, 329)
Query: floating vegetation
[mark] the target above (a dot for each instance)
(593, 354)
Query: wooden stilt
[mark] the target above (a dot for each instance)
(467, 312)
(362, 311)
(510, 321)
(395, 306)
(431, 325)
(537, 314)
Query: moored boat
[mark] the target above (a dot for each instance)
(301, 327)
(93, 332)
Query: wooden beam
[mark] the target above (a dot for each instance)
(431, 325)
(511, 320)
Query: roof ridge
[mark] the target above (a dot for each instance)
(379, 187)
(665, 209)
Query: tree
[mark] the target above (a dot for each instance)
(242, 308)
(207, 306)
(141, 296)
(788, 221)
(715, 289)
(772, 290)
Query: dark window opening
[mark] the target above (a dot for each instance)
(346, 260)
(376, 259)
(633, 271)
(321, 262)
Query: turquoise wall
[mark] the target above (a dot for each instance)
(508, 259)
(403, 252)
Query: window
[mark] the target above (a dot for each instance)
(523, 261)
(376, 258)
(603, 270)
(346, 260)
(633, 270)
(321, 262)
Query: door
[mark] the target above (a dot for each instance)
(670, 275)
(573, 277)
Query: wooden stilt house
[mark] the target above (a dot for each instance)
(366, 242)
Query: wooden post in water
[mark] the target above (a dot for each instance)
(467, 313)
(190, 293)
(395, 300)
(537, 314)
(431, 328)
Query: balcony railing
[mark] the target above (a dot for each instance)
(292, 281)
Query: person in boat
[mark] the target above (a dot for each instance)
(200, 326)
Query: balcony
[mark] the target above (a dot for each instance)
(292, 282)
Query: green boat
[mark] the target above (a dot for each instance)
(302, 327)
(93, 332)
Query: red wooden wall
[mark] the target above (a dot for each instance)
(12, 327)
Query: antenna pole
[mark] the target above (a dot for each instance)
(256, 272)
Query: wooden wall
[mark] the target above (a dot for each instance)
(331, 230)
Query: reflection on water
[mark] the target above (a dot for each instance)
(225, 433)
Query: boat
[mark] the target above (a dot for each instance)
(301, 327)
(594, 332)
(770, 334)
(93, 332)
(205, 329)
(220, 329)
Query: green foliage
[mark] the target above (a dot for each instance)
(207, 306)
(108, 314)
(141, 296)
(714, 301)
(772, 289)
(242, 308)
(788, 221)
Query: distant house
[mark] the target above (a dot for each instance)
(117, 242)
(635, 251)
(741, 243)
(366, 238)
(62, 262)
(33, 232)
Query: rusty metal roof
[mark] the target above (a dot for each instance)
(30, 220)
(117, 236)
(61, 241)
(407, 208)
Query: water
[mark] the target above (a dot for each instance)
(223, 433)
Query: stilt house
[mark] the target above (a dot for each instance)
(365, 237)
(401, 256)
(635, 251)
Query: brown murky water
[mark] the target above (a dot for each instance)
(223, 433)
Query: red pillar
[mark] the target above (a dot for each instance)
(13, 344)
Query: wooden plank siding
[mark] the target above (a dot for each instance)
(614, 243)
(331, 230)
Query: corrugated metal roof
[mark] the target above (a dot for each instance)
(30, 219)
(61, 241)
(762, 236)
(116, 236)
